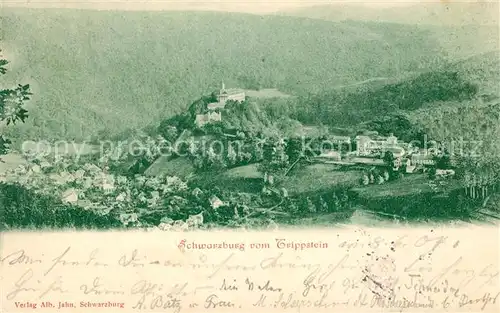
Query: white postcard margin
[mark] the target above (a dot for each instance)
(350, 269)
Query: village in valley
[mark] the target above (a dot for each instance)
(272, 129)
(310, 172)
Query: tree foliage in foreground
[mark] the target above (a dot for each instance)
(11, 106)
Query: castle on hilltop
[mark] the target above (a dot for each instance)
(224, 95)
(209, 117)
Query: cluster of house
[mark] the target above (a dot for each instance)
(414, 157)
(214, 114)
(371, 150)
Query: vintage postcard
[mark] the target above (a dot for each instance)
(249, 156)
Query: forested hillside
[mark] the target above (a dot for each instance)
(461, 28)
(410, 107)
(445, 13)
(475, 120)
(466, 81)
(101, 72)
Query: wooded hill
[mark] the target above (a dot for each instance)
(100, 72)
(465, 82)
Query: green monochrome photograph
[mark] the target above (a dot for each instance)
(180, 116)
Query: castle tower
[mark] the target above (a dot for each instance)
(222, 94)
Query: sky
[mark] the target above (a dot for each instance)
(249, 6)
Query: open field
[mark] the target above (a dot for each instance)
(241, 179)
(319, 177)
(181, 167)
(306, 179)
(311, 178)
(247, 171)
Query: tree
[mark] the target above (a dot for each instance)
(380, 180)
(399, 124)
(365, 180)
(294, 149)
(432, 172)
(476, 159)
(12, 106)
(257, 149)
(214, 128)
(389, 159)
(336, 201)
(168, 132)
(215, 160)
(240, 135)
(443, 161)
(390, 162)
(323, 205)
(180, 122)
(231, 156)
(275, 159)
(310, 207)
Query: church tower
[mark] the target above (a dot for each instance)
(222, 94)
